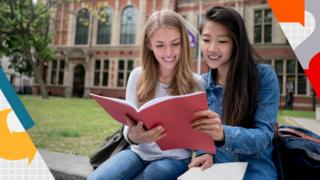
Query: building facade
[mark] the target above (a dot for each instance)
(98, 43)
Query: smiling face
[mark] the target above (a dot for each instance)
(166, 46)
(216, 45)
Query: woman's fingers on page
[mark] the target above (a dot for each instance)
(155, 132)
(161, 136)
(206, 113)
(203, 121)
(201, 113)
(206, 164)
(204, 161)
(130, 123)
(196, 162)
(140, 127)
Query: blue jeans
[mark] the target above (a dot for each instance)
(128, 165)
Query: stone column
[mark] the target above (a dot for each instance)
(116, 24)
(87, 78)
(68, 72)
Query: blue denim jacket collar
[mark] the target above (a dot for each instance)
(209, 78)
(214, 93)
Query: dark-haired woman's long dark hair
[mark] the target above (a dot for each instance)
(239, 102)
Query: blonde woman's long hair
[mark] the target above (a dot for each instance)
(183, 81)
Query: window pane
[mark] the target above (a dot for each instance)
(257, 16)
(300, 69)
(130, 65)
(104, 26)
(121, 65)
(61, 65)
(96, 78)
(61, 75)
(106, 65)
(105, 79)
(290, 66)
(302, 81)
(54, 65)
(53, 76)
(54, 72)
(120, 81)
(97, 66)
(267, 33)
(128, 24)
(268, 16)
(278, 66)
(257, 34)
(82, 27)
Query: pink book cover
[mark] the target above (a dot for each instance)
(174, 113)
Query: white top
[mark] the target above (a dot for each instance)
(151, 151)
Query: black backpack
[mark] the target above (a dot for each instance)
(296, 153)
(112, 145)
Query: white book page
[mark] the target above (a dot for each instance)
(220, 171)
(164, 98)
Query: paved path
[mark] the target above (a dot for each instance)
(311, 124)
(66, 166)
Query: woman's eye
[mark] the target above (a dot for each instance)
(205, 40)
(223, 41)
(159, 46)
(176, 44)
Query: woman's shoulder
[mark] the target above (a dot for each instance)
(266, 71)
(135, 75)
(196, 76)
(267, 77)
(200, 81)
(136, 72)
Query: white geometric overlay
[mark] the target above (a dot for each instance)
(20, 169)
(296, 33)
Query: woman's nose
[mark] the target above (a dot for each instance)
(212, 47)
(168, 51)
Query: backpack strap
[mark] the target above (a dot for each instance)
(299, 134)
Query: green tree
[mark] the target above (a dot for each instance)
(25, 37)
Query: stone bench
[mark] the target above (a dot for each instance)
(66, 166)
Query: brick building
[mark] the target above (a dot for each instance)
(97, 54)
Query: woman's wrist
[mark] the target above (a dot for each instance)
(130, 141)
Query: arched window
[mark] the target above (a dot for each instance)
(104, 26)
(82, 27)
(128, 25)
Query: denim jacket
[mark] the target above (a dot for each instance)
(252, 145)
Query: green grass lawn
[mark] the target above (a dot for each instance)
(302, 114)
(79, 126)
(70, 125)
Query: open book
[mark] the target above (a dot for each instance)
(174, 113)
(221, 171)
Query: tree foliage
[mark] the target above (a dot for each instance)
(25, 37)
(25, 32)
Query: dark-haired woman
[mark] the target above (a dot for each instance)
(243, 97)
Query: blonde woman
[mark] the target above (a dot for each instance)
(166, 70)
